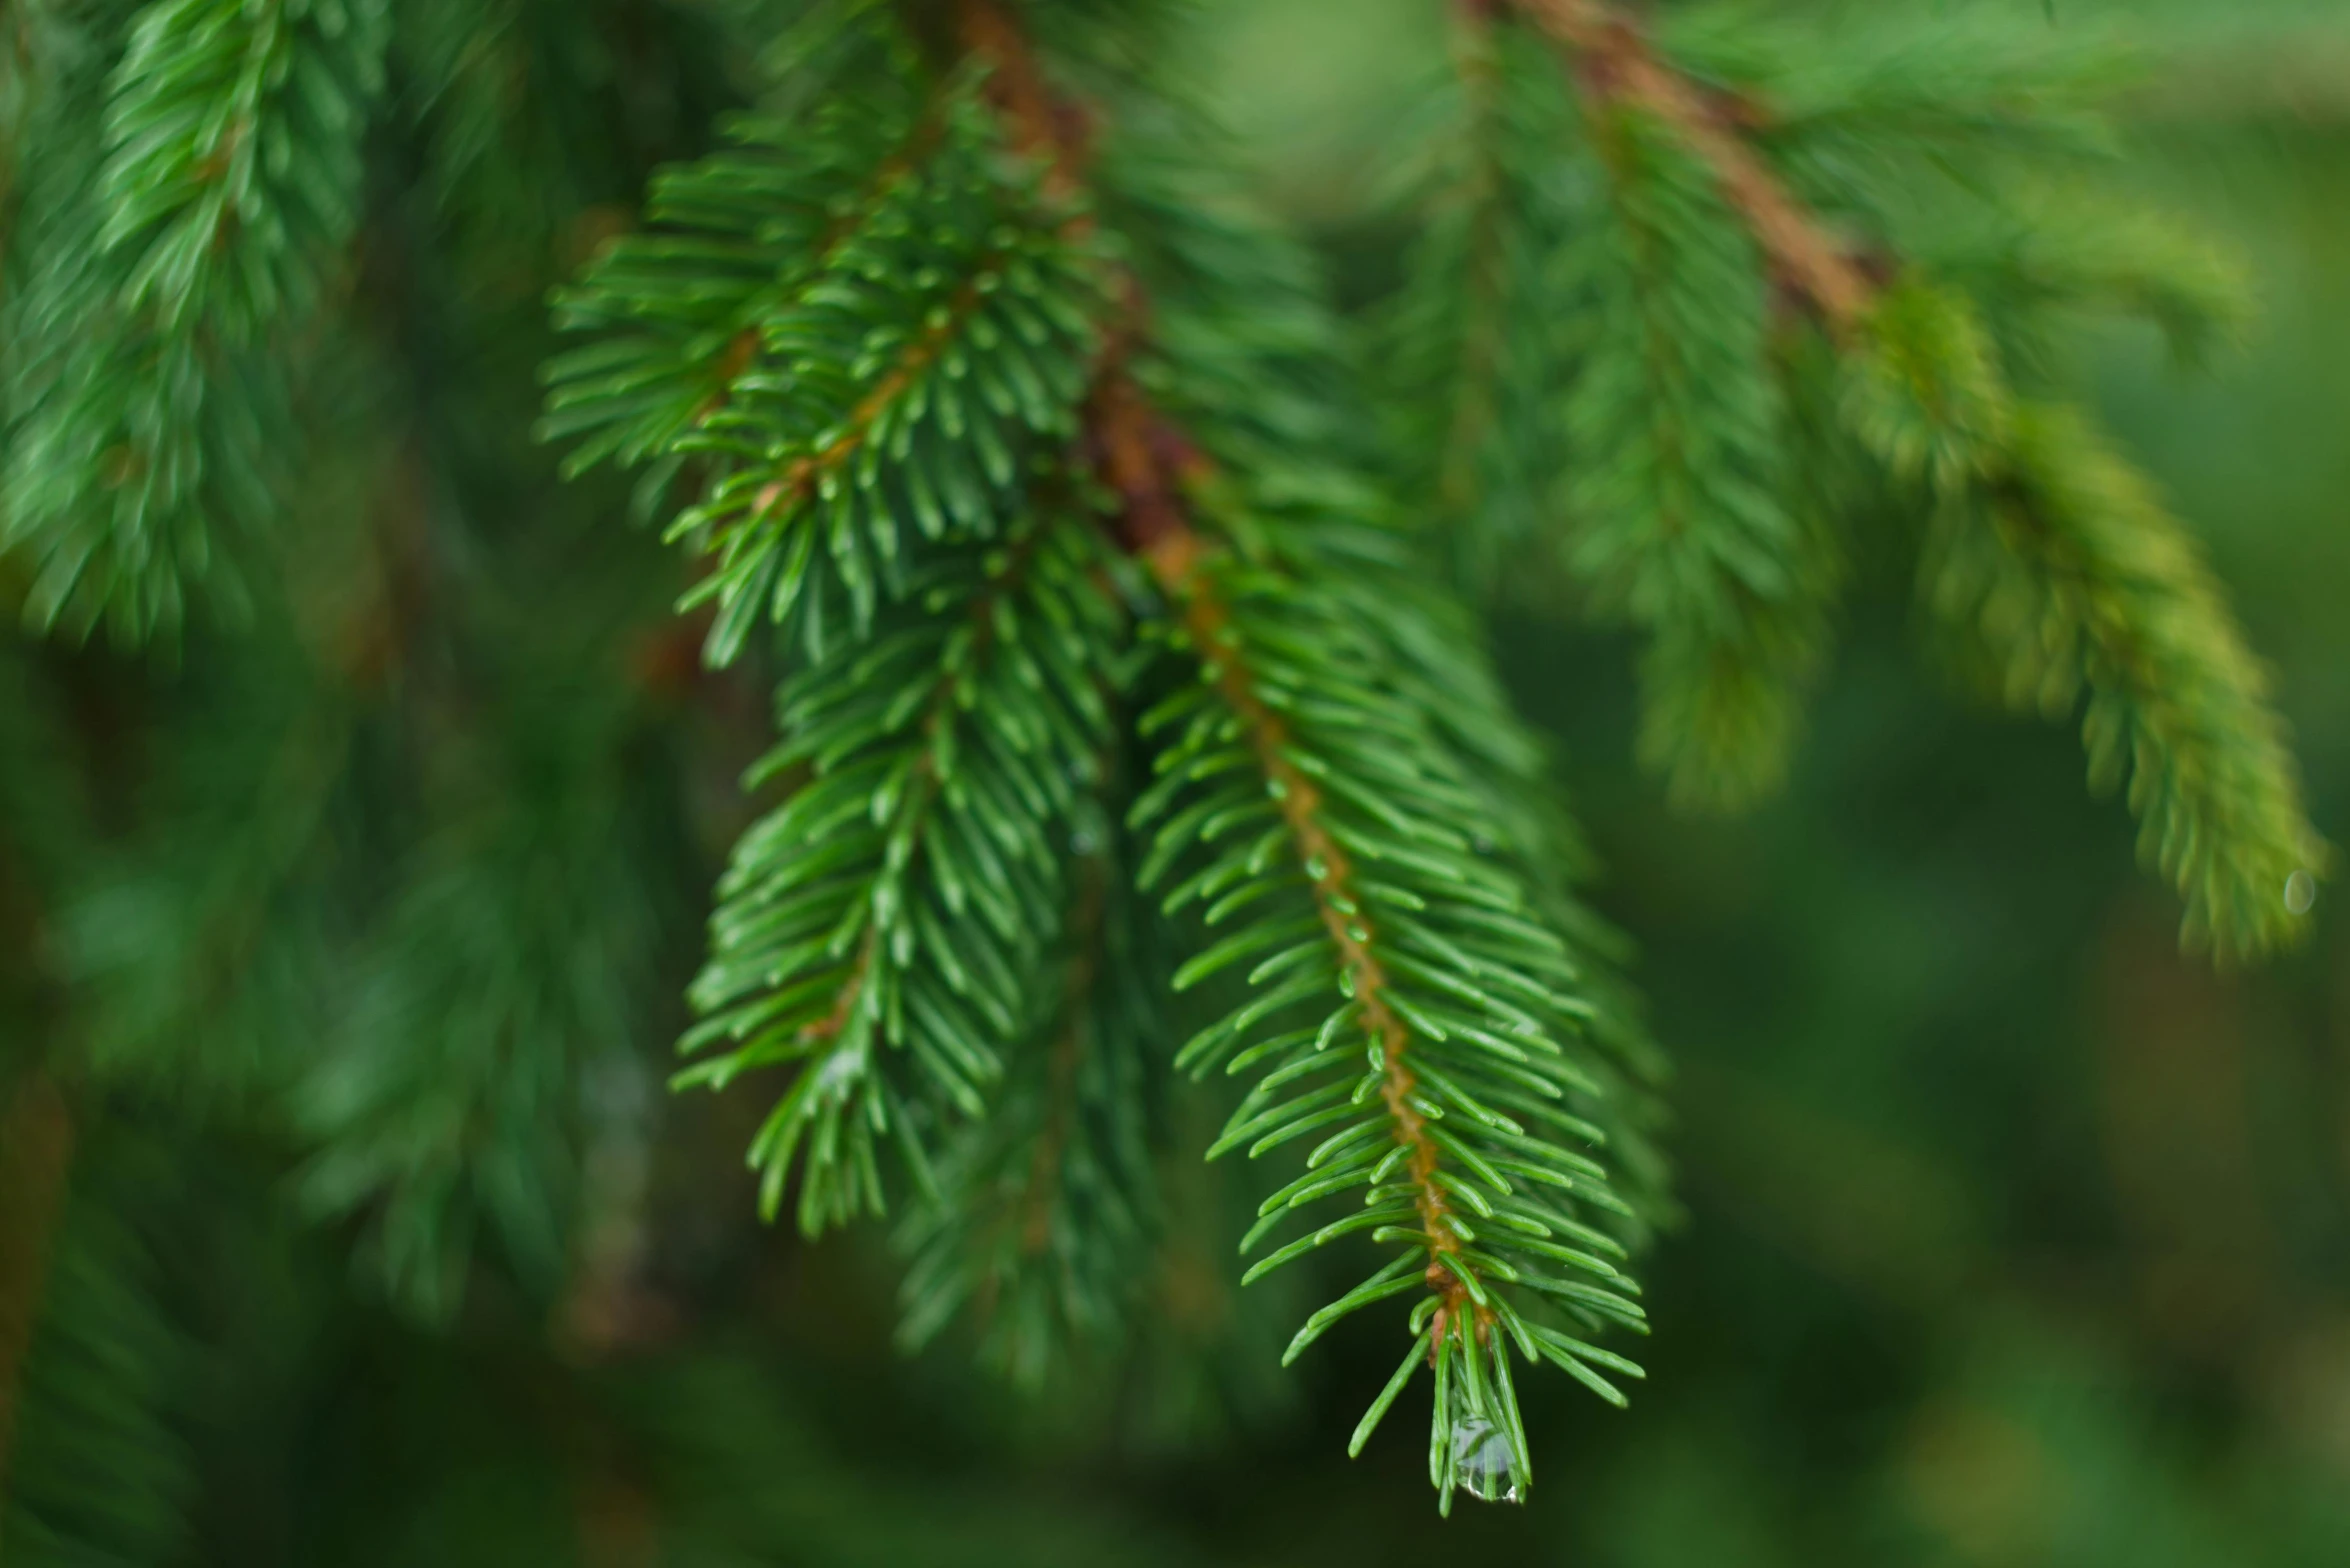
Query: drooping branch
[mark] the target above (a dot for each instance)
(2035, 517)
(1147, 460)
(1337, 899)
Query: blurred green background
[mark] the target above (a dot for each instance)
(2013, 1236)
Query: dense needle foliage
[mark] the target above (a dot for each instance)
(1134, 723)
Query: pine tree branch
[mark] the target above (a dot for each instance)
(1150, 465)
(897, 902)
(1041, 1218)
(742, 350)
(2081, 583)
(1385, 906)
(849, 322)
(1137, 450)
(210, 99)
(1476, 394)
(101, 1470)
(910, 815)
(754, 298)
(1677, 421)
(1162, 481)
(1143, 455)
(776, 501)
(1045, 127)
(1614, 63)
(1177, 564)
(172, 1009)
(1919, 381)
(890, 902)
(1473, 350)
(154, 414)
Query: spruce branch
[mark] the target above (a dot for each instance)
(1615, 64)
(1044, 1217)
(1046, 1173)
(682, 313)
(234, 133)
(1206, 619)
(1441, 661)
(1921, 366)
(1298, 785)
(2055, 557)
(447, 1101)
(153, 411)
(2071, 247)
(200, 964)
(2079, 581)
(891, 904)
(1471, 342)
(1634, 394)
(1483, 328)
(1679, 436)
(1295, 758)
(1149, 465)
(904, 344)
(1032, 471)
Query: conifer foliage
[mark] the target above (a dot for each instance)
(1125, 726)
(1776, 283)
(151, 391)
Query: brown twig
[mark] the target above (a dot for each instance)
(1615, 64)
(1205, 620)
(1154, 468)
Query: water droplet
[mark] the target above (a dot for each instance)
(1481, 1458)
(2300, 893)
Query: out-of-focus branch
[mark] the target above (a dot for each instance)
(1614, 63)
